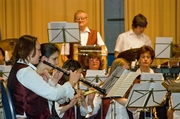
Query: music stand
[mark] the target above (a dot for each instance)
(96, 76)
(119, 82)
(4, 71)
(163, 47)
(63, 32)
(146, 95)
(175, 105)
(175, 90)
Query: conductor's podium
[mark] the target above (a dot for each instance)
(81, 52)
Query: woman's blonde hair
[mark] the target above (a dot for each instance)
(118, 62)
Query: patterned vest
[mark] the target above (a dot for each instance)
(35, 107)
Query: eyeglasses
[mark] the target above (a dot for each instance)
(94, 59)
(81, 18)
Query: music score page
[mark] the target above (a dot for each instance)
(122, 84)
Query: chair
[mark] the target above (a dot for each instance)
(7, 102)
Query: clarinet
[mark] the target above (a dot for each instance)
(102, 91)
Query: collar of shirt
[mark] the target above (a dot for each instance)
(29, 64)
(139, 71)
(86, 30)
(131, 32)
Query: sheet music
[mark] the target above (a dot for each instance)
(122, 84)
(96, 76)
(5, 70)
(63, 32)
(146, 95)
(156, 77)
(109, 82)
(163, 47)
(175, 100)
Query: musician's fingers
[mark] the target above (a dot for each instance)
(74, 76)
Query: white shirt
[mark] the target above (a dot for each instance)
(117, 108)
(83, 111)
(129, 40)
(139, 71)
(29, 78)
(83, 38)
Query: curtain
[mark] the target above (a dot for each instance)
(20, 17)
(163, 19)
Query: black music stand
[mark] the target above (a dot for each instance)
(63, 32)
(146, 96)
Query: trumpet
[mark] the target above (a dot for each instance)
(102, 91)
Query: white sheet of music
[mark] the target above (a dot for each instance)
(156, 77)
(163, 47)
(146, 95)
(122, 84)
(175, 100)
(96, 76)
(6, 70)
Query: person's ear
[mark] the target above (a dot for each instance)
(43, 58)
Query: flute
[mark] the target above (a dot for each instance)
(102, 91)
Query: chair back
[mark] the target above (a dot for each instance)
(7, 102)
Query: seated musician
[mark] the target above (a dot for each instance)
(121, 112)
(78, 103)
(145, 58)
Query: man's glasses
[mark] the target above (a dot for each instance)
(81, 18)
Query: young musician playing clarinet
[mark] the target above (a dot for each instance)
(30, 93)
(78, 107)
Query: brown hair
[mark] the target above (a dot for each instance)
(145, 49)
(25, 45)
(175, 51)
(139, 20)
(94, 55)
